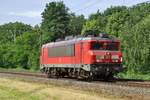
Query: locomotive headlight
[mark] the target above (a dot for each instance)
(115, 57)
(121, 59)
(98, 57)
(91, 53)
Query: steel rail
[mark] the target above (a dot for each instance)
(121, 82)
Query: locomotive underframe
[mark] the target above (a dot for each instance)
(103, 70)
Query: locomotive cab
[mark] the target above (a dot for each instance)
(106, 57)
(107, 51)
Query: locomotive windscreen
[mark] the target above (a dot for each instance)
(113, 46)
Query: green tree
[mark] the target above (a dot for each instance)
(9, 32)
(6, 58)
(112, 10)
(76, 24)
(91, 26)
(138, 12)
(101, 20)
(138, 48)
(116, 22)
(56, 20)
(28, 56)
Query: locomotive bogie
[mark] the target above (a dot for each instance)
(82, 71)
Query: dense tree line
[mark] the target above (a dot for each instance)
(20, 43)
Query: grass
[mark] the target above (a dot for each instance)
(129, 75)
(14, 94)
(18, 70)
(13, 89)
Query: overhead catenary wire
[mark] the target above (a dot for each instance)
(88, 6)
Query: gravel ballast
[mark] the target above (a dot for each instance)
(105, 89)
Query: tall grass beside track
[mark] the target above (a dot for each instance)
(19, 70)
(130, 75)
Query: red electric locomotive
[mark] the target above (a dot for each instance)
(83, 57)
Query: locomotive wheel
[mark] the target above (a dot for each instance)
(54, 73)
(48, 75)
(47, 72)
(51, 73)
(109, 77)
(90, 77)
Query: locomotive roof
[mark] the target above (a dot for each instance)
(75, 40)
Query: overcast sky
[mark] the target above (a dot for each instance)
(29, 11)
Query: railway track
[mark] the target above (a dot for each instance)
(121, 82)
(24, 73)
(133, 83)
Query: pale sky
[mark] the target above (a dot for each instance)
(29, 11)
